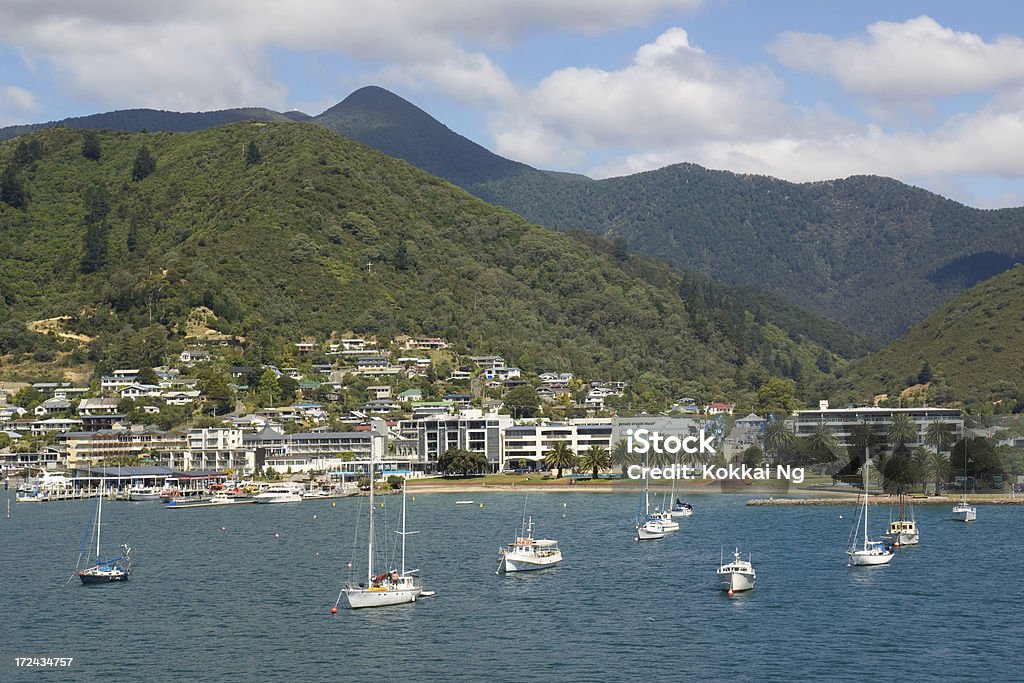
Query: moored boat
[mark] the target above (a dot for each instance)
(736, 576)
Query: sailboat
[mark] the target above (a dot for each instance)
(867, 553)
(391, 587)
(962, 511)
(105, 569)
(648, 528)
(663, 516)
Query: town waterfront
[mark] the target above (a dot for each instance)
(246, 592)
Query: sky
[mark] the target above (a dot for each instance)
(930, 93)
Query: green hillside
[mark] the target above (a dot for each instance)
(971, 347)
(323, 235)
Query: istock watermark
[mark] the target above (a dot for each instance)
(733, 477)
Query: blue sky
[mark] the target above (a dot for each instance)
(931, 93)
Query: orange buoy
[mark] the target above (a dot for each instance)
(730, 593)
(334, 610)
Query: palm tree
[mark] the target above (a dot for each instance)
(595, 458)
(934, 466)
(901, 431)
(822, 445)
(560, 457)
(778, 439)
(622, 456)
(862, 438)
(940, 436)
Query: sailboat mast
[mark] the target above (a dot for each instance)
(369, 544)
(867, 458)
(403, 527)
(99, 524)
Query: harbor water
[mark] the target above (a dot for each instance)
(246, 591)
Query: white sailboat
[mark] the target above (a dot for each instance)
(391, 587)
(963, 511)
(867, 553)
(736, 576)
(648, 528)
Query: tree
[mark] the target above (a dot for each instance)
(595, 458)
(144, 164)
(899, 471)
(925, 375)
(821, 444)
(94, 257)
(147, 376)
(901, 431)
(216, 391)
(622, 456)
(777, 395)
(97, 203)
(252, 154)
(523, 401)
(91, 145)
(753, 456)
(11, 191)
(560, 457)
(933, 466)
(461, 461)
(288, 387)
(27, 397)
(620, 249)
(940, 435)
(778, 439)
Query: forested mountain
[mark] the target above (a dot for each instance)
(968, 350)
(288, 231)
(871, 253)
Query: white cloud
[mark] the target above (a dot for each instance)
(15, 104)
(212, 53)
(671, 92)
(915, 59)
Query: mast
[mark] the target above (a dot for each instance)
(99, 525)
(403, 527)
(369, 544)
(866, 460)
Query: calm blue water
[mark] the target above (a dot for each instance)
(205, 603)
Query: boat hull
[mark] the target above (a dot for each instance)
(965, 513)
(681, 513)
(360, 598)
(869, 558)
(651, 531)
(736, 581)
(515, 563)
(905, 538)
(283, 498)
(143, 496)
(90, 576)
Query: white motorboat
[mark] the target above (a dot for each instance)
(279, 494)
(144, 493)
(39, 489)
(391, 587)
(736, 576)
(903, 531)
(867, 553)
(964, 512)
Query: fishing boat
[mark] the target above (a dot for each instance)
(105, 569)
(393, 586)
(736, 576)
(867, 553)
(903, 531)
(527, 553)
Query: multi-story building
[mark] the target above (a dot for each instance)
(472, 430)
(529, 444)
(841, 422)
